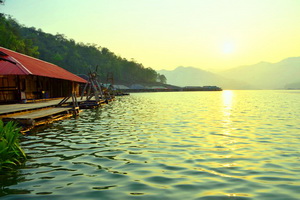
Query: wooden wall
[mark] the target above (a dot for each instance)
(8, 88)
(19, 88)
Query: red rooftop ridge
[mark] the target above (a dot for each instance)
(14, 63)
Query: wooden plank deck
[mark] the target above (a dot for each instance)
(18, 107)
(37, 114)
(21, 107)
(30, 119)
(30, 115)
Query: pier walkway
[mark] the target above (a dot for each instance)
(21, 107)
(32, 114)
(29, 115)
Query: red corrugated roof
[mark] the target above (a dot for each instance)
(13, 63)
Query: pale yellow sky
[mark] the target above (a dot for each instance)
(165, 34)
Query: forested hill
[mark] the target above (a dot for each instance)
(78, 58)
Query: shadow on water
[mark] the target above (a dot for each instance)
(10, 178)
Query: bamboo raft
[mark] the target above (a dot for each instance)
(30, 115)
(30, 119)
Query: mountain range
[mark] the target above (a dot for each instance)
(282, 75)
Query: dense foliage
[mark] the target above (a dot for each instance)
(78, 58)
(11, 153)
(11, 38)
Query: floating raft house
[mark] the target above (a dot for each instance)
(25, 79)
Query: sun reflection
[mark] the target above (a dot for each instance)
(227, 111)
(227, 98)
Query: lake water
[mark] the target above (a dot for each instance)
(177, 145)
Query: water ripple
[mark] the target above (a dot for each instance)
(193, 145)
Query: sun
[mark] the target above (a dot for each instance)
(228, 48)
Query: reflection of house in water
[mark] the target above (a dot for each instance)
(24, 78)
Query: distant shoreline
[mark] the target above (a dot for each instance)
(162, 90)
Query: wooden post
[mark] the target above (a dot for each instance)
(82, 93)
(18, 84)
(100, 89)
(95, 91)
(88, 90)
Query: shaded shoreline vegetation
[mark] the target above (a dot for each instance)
(78, 58)
(11, 154)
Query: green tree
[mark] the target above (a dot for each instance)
(78, 58)
(11, 38)
(162, 78)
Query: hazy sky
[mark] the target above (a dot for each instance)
(164, 34)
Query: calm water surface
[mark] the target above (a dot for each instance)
(187, 145)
